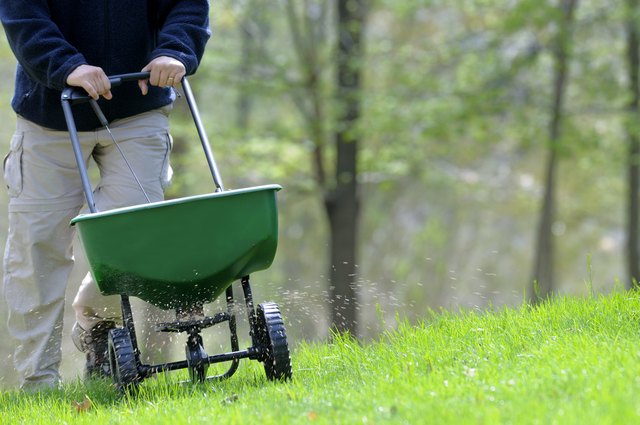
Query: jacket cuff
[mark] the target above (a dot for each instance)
(59, 83)
(190, 65)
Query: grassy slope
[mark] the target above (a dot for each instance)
(569, 361)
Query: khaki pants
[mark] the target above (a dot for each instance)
(45, 194)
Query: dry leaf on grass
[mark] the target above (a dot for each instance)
(312, 416)
(83, 406)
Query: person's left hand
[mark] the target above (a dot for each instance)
(164, 71)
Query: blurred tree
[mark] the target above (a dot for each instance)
(340, 192)
(342, 196)
(254, 29)
(543, 269)
(633, 161)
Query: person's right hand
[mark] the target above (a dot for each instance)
(92, 79)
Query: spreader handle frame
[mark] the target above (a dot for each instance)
(76, 95)
(206, 146)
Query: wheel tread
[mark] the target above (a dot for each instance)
(277, 361)
(123, 360)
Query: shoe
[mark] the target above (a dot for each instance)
(94, 344)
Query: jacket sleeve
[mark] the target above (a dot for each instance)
(37, 43)
(184, 32)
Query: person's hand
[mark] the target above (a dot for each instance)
(92, 79)
(164, 72)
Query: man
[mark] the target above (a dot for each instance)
(62, 43)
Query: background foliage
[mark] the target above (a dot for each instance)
(456, 108)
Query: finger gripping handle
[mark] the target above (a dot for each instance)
(79, 95)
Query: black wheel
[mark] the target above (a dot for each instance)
(122, 359)
(273, 340)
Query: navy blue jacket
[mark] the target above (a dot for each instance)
(50, 38)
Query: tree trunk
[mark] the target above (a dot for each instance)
(307, 41)
(542, 283)
(633, 166)
(342, 200)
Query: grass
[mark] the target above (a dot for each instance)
(569, 361)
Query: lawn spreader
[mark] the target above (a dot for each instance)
(178, 255)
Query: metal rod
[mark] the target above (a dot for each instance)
(251, 311)
(203, 135)
(77, 151)
(127, 318)
(232, 319)
(233, 331)
(178, 326)
(105, 124)
(251, 353)
(228, 374)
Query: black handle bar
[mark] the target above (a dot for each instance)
(79, 95)
(73, 95)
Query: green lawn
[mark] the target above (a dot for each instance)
(570, 361)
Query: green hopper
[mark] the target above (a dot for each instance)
(180, 252)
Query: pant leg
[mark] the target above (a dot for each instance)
(146, 144)
(37, 264)
(44, 194)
